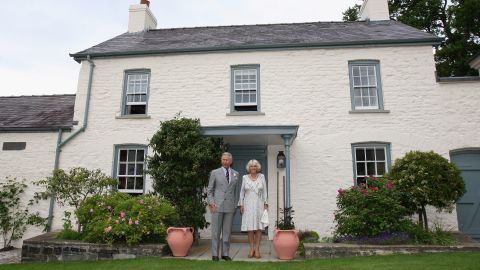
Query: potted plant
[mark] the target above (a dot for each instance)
(285, 237)
(180, 240)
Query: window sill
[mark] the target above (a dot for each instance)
(245, 113)
(133, 116)
(369, 111)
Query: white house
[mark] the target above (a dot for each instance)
(341, 100)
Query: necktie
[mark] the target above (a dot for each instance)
(228, 177)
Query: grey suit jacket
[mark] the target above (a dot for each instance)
(224, 194)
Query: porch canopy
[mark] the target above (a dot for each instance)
(259, 135)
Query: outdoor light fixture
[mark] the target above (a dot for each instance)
(281, 160)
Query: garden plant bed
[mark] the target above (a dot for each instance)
(338, 250)
(46, 247)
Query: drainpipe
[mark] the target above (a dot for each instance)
(60, 144)
(286, 141)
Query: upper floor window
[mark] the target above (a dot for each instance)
(136, 87)
(365, 85)
(129, 168)
(370, 159)
(245, 88)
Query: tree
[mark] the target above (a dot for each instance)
(15, 218)
(74, 187)
(458, 21)
(352, 13)
(426, 178)
(181, 162)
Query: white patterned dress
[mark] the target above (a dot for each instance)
(253, 196)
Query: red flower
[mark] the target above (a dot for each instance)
(389, 185)
(363, 191)
(340, 191)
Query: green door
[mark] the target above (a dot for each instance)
(468, 207)
(241, 155)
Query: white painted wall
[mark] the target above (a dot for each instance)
(374, 10)
(32, 164)
(309, 88)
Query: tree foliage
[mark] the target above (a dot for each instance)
(73, 187)
(181, 162)
(458, 21)
(426, 178)
(14, 217)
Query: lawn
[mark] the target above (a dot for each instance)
(439, 261)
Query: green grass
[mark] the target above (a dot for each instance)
(439, 261)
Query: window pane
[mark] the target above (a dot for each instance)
(381, 168)
(356, 81)
(131, 155)
(380, 153)
(131, 169)
(372, 91)
(122, 182)
(365, 92)
(356, 71)
(360, 168)
(365, 101)
(360, 180)
(371, 168)
(358, 102)
(122, 169)
(370, 154)
(123, 155)
(360, 154)
(140, 155)
(139, 169)
(139, 183)
(130, 182)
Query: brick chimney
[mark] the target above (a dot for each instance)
(374, 10)
(141, 17)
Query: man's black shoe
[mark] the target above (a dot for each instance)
(215, 258)
(226, 258)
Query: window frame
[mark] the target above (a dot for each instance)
(116, 166)
(388, 157)
(232, 87)
(126, 73)
(379, 89)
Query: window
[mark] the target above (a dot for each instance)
(245, 88)
(365, 85)
(136, 92)
(129, 168)
(14, 146)
(371, 159)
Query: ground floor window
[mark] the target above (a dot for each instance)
(129, 168)
(370, 160)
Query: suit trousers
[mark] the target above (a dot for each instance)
(221, 224)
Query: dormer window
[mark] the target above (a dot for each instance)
(136, 92)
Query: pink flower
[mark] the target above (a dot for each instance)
(130, 222)
(137, 222)
(122, 214)
(389, 185)
(140, 202)
(340, 191)
(108, 229)
(363, 191)
(117, 221)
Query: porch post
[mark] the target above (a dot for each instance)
(286, 141)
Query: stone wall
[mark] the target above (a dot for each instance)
(46, 248)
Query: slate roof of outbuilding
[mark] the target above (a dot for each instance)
(266, 36)
(36, 112)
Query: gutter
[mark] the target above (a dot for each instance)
(60, 144)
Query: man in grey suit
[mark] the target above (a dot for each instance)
(223, 198)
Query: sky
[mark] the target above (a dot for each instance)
(36, 36)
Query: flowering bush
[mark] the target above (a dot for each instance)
(370, 209)
(121, 218)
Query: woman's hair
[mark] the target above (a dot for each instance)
(254, 162)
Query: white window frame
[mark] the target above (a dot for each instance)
(374, 147)
(130, 89)
(365, 84)
(245, 87)
(135, 162)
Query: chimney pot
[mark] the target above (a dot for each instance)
(145, 2)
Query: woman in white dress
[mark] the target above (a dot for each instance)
(253, 201)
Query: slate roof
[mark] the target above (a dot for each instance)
(36, 112)
(242, 37)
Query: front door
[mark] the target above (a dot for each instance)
(241, 155)
(468, 207)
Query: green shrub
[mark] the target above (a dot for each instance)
(306, 236)
(121, 218)
(426, 178)
(437, 236)
(370, 209)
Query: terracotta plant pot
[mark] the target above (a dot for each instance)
(285, 243)
(179, 240)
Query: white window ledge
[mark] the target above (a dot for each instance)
(370, 111)
(133, 116)
(244, 113)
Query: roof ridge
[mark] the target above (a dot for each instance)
(259, 24)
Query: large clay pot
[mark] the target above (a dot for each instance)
(285, 243)
(179, 240)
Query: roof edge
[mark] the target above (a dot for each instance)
(425, 41)
(34, 129)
